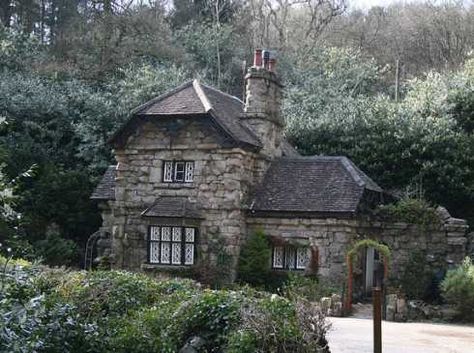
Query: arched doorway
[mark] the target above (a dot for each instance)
(372, 248)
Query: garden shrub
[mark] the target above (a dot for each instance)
(58, 310)
(54, 250)
(416, 211)
(309, 288)
(458, 289)
(416, 278)
(254, 259)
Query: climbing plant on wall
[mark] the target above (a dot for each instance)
(383, 249)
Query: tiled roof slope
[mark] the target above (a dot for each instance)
(173, 207)
(312, 184)
(194, 98)
(227, 110)
(182, 100)
(106, 188)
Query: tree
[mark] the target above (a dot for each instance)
(254, 259)
(414, 142)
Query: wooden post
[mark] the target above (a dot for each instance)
(349, 285)
(377, 317)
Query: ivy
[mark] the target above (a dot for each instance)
(414, 211)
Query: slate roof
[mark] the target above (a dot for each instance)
(173, 207)
(105, 190)
(196, 99)
(312, 185)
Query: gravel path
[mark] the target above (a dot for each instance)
(354, 335)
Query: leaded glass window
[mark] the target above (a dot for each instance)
(168, 172)
(154, 244)
(165, 252)
(178, 171)
(278, 256)
(302, 257)
(171, 245)
(188, 178)
(290, 257)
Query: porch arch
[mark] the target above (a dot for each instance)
(383, 249)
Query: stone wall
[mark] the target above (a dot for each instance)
(444, 244)
(263, 109)
(222, 179)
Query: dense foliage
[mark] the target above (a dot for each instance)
(410, 210)
(458, 289)
(416, 148)
(46, 310)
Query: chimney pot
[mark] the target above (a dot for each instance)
(272, 64)
(266, 59)
(257, 59)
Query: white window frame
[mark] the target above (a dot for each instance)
(156, 243)
(178, 171)
(293, 252)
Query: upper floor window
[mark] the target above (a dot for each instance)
(178, 172)
(290, 257)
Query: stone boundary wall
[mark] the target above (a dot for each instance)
(444, 244)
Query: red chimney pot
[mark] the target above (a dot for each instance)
(271, 64)
(257, 59)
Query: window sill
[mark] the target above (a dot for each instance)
(176, 185)
(151, 266)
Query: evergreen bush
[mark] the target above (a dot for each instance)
(458, 289)
(254, 260)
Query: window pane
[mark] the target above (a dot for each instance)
(189, 172)
(290, 257)
(166, 233)
(176, 233)
(154, 252)
(165, 253)
(189, 254)
(179, 171)
(302, 258)
(189, 233)
(176, 253)
(168, 172)
(155, 233)
(278, 257)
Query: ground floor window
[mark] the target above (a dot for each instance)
(290, 257)
(171, 245)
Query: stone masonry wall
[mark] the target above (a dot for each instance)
(222, 178)
(444, 243)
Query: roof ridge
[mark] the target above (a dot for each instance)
(222, 92)
(312, 158)
(160, 97)
(202, 96)
(348, 165)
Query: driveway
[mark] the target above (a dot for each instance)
(354, 335)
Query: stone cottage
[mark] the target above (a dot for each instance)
(195, 164)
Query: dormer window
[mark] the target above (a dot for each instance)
(178, 172)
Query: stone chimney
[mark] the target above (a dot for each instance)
(263, 93)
